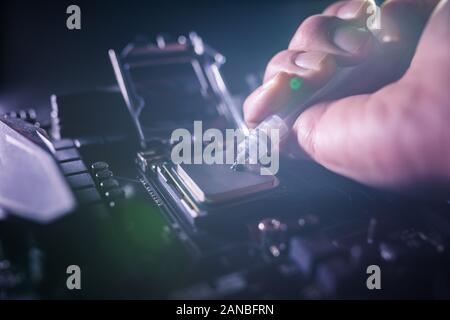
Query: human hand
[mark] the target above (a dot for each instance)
(395, 135)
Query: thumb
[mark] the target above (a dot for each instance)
(395, 138)
(345, 136)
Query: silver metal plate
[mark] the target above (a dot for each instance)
(217, 182)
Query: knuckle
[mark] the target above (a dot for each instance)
(333, 8)
(279, 57)
(310, 29)
(277, 61)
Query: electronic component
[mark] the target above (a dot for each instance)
(169, 85)
(217, 183)
(31, 184)
(306, 233)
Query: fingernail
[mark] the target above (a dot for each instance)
(351, 10)
(351, 39)
(310, 60)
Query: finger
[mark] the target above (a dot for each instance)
(347, 41)
(267, 99)
(403, 21)
(341, 29)
(433, 49)
(314, 67)
(277, 93)
(346, 138)
(350, 9)
(367, 139)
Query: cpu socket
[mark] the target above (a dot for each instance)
(169, 85)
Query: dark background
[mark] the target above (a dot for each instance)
(40, 56)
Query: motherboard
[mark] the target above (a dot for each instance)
(91, 189)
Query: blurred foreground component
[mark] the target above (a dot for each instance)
(31, 184)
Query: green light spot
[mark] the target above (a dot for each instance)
(296, 83)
